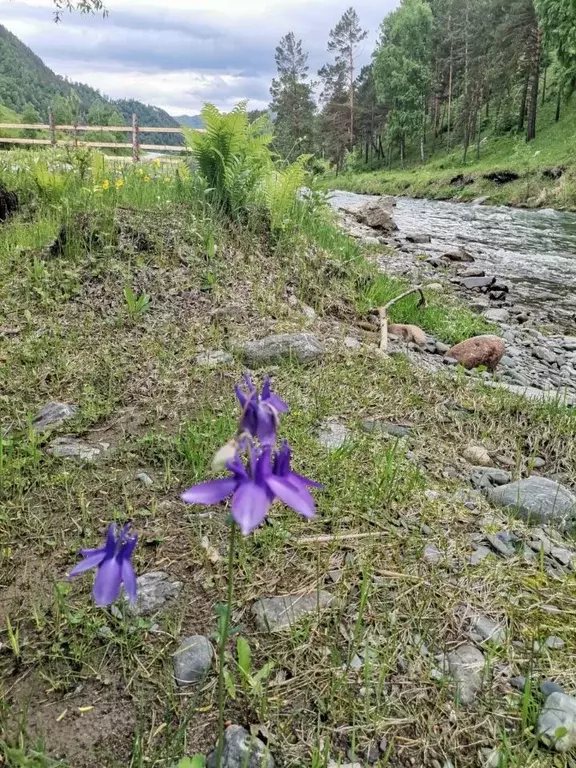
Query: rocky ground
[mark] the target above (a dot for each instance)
(423, 618)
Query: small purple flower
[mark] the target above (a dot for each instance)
(260, 413)
(114, 565)
(254, 487)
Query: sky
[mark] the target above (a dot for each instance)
(177, 54)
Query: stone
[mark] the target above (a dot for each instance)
(351, 343)
(479, 350)
(432, 494)
(302, 347)
(480, 554)
(569, 343)
(537, 500)
(308, 312)
(193, 660)
(471, 272)
(155, 589)
(477, 282)
(486, 477)
(241, 750)
(466, 665)
(333, 435)
(502, 547)
(545, 354)
(554, 643)
(441, 348)
(274, 614)
(385, 427)
(145, 479)
(74, 448)
(557, 722)
(563, 555)
(419, 238)
(434, 287)
(408, 333)
(461, 255)
(497, 315)
(432, 554)
(376, 214)
(213, 358)
(477, 455)
(490, 631)
(547, 687)
(53, 415)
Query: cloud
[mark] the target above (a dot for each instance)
(187, 52)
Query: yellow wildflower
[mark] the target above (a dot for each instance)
(119, 183)
(147, 179)
(157, 163)
(105, 184)
(141, 171)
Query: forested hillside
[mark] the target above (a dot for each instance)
(29, 87)
(445, 76)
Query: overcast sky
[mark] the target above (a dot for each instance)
(177, 54)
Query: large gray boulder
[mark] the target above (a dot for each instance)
(241, 750)
(377, 214)
(538, 500)
(302, 347)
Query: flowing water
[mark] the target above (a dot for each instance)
(534, 251)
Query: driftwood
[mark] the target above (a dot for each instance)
(383, 313)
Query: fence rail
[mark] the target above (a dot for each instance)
(135, 129)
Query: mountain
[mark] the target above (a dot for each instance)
(191, 121)
(25, 79)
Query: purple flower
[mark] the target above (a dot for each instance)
(254, 487)
(114, 565)
(260, 413)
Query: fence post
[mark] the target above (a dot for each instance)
(135, 139)
(52, 128)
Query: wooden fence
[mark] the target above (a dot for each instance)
(134, 129)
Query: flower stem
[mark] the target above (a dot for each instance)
(222, 647)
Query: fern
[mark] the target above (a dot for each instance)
(232, 155)
(280, 193)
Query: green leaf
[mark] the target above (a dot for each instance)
(244, 656)
(198, 761)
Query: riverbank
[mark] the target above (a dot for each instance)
(433, 628)
(547, 188)
(511, 172)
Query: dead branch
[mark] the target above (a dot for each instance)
(383, 313)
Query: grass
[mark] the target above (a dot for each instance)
(82, 687)
(552, 148)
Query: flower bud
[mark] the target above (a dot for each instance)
(224, 455)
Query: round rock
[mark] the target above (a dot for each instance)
(193, 660)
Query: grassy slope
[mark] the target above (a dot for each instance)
(99, 690)
(553, 147)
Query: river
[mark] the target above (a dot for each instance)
(532, 250)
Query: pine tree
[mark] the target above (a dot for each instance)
(292, 101)
(344, 41)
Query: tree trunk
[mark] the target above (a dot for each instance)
(544, 82)
(558, 103)
(351, 97)
(533, 103)
(522, 113)
(450, 78)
